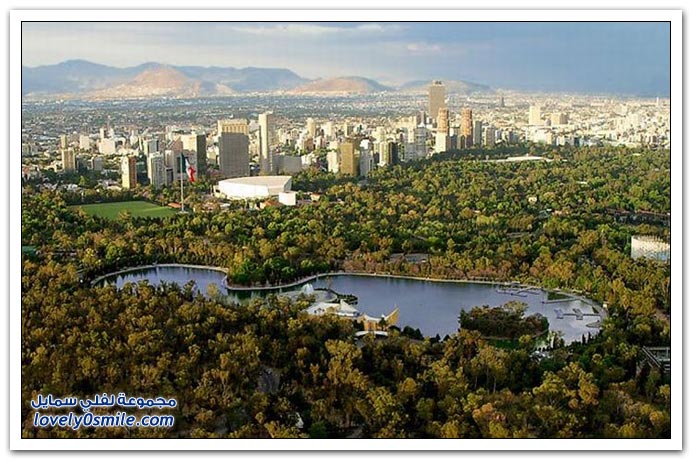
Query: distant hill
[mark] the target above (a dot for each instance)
(349, 85)
(83, 79)
(79, 78)
(160, 81)
(451, 87)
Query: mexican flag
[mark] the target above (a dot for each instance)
(190, 171)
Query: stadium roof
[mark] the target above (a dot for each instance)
(268, 181)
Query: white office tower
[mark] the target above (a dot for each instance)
(156, 170)
(328, 129)
(267, 136)
(107, 146)
(366, 162)
(442, 142)
(84, 142)
(380, 134)
(333, 161)
(383, 150)
(311, 126)
(535, 115)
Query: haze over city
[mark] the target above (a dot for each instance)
(588, 57)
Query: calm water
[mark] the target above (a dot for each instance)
(433, 307)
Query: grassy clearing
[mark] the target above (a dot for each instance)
(135, 208)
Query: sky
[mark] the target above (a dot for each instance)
(592, 57)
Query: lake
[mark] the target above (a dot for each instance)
(431, 306)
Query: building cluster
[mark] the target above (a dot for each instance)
(267, 144)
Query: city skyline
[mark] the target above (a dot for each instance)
(589, 57)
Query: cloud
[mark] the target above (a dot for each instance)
(297, 30)
(423, 48)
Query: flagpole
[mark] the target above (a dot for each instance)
(182, 203)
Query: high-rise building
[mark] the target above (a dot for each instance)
(502, 101)
(420, 137)
(442, 142)
(128, 170)
(366, 162)
(443, 120)
(333, 160)
(267, 134)
(477, 133)
(535, 115)
(68, 160)
(63, 141)
(156, 170)
(349, 158)
(201, 154)
(96, 163)
(84, 142)
(436, 97)
(195, 148)
(150, 146)
(328, 129)
(311, 126)
(467, 127)
(107, 146)
(558, 119)
(234, 148)
(489, 136)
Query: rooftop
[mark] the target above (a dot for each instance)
(268, 181)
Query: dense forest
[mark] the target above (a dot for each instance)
(254, 370)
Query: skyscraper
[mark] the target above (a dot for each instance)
(442, 142)
(535, 115)
(559, 118)
(443, 120)
(266, 122)
(489, 136)
(84, 142)
(420, 137)
(467, 127)
(349, 158)
(234, 153)
(195, 148)
(68, 160)
(477, 133)
(128, 170)
(311, 126)
(63, 141)
(201, 154)
(436, 97)
(156, 170)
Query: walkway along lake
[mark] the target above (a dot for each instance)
(431, 306)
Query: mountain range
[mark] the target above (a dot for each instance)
(88, 80)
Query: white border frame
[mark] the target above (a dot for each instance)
(673, 16)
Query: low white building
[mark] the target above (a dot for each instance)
(254, 187)
(288, 198)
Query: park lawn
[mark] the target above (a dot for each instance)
(136, 208)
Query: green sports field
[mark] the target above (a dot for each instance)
(136, 208)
